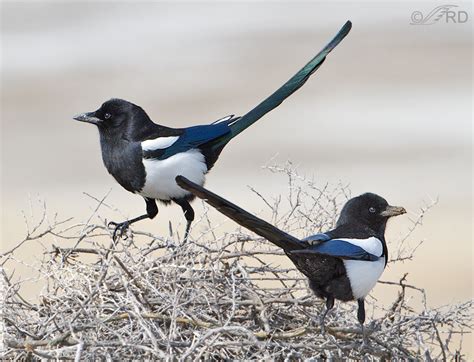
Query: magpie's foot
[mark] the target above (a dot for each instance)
(185, 240)
(323, 329)
(365, 339)
(119, 229)
(365, 344)
(171, 245)
(318, 321)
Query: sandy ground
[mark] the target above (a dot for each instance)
(389, 112)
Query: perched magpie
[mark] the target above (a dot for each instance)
(145, 157)
(344, 263)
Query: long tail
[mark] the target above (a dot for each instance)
(287, 89)
(242, 217)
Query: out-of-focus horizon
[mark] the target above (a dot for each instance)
(388, 112)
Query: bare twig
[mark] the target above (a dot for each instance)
(220, 296)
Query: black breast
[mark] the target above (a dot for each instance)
(123, 160)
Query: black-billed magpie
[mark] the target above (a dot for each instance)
(145, 157)
(344, 263)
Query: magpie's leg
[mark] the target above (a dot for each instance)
(188, 214)
(361, 318)
(329, 306)
(121, 227)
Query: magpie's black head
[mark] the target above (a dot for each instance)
(370, 210)
(116, 116)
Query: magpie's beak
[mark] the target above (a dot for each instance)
(88, 117)
(393, 211)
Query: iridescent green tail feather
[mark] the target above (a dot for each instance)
(284, 91)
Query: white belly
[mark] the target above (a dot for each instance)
(363, 275)
(160, 175)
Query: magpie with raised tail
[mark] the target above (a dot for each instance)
(344, 263)
(145, 157)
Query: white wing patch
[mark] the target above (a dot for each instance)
(371, 245)
(223, 119)
(158, 143)
(160, 174)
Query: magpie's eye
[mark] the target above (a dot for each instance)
(107, 115)
(372, 210)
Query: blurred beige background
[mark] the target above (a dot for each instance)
(389, 111)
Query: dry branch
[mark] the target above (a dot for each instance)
(219, 296)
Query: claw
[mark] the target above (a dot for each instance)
(119, 230)
(323, 328)
(185, 240)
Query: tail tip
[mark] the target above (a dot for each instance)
(347, 27)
